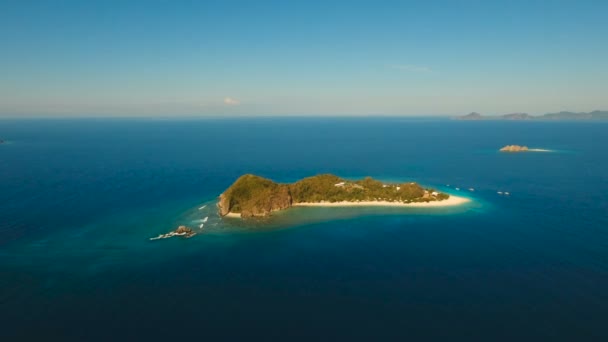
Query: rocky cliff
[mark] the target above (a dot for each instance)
(252, 195)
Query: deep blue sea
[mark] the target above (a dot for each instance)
(80, 199)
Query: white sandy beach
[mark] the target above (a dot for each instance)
(452, 201)
(236, 215)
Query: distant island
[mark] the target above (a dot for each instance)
(514, 148)
(254, 196)
(595, 115)
(517, 148)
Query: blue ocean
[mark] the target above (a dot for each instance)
(81, 198)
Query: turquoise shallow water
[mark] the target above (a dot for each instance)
(81, 198)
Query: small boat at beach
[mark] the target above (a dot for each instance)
(205, 219)
(201, 226)
(203, 207)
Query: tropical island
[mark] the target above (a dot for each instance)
(255, 196)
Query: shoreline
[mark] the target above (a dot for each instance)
(234, 215)
(451, 201)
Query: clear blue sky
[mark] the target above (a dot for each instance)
(301, 58)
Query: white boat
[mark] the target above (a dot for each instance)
(201, 226)
(471, 189)
(457, 189)
(205, 219)
(203, 207)
(499, 192)
(506, 193)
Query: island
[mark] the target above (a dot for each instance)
(470, 116)
(514, 148)
(255, 196)
(594, 115)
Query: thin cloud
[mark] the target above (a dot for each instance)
(229, 101)
(411, 68)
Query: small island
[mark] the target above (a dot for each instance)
(255, 196)
(514, 148)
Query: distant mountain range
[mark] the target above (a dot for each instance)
(595, 115)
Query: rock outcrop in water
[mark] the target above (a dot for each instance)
(182, 231)
(514, 148)
(254, 196)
